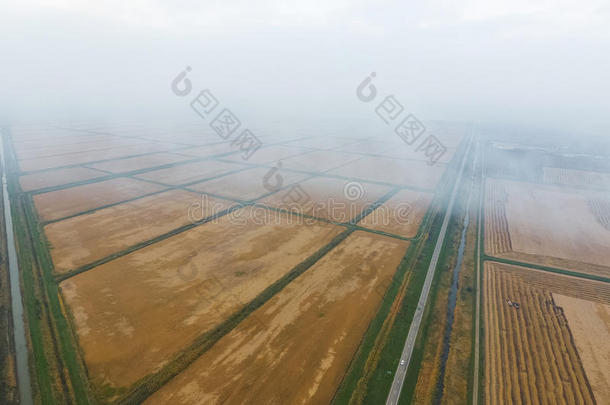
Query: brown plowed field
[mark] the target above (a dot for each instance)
(295, 348)
(530, 352)
(135, 312)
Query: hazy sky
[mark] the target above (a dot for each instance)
(542, 63)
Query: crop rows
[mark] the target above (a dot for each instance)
(497, 236)
(569, 177)
(532, 357)
(601, 210)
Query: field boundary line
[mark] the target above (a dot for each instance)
(546, 268)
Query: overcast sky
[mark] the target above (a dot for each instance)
(540, 63)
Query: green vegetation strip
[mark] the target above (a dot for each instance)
(351, 384)
(362, 386)
(546, 268)
(33, 253)
(446, 258)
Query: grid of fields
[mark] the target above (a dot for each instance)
(175, 258)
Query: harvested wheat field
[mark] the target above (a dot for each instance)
(322, 142)
(531, 355)
(86, 238)
(400, 215)
(573, 177)
(295, 348)
(249, 184)
(53, 178)
(222, 148)
(63, 203)
(548, 225)
(326, 197)
(72, 159)
(190, 172)
(269, 154)
(590, 326)
(135, 312)
(77, 147)
(319, 160)
(409, 173)
(139, 162)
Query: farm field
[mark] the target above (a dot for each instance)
(190, 172)
(139, 162)
(319, 160)
(89, 237)
(573, 177)
(133, 313)
(58, 177)
(270, 154)
(248, 185)
(296, 347)
(531, 350)
(326, 197)
(413, 173)
(590, 326)
(63, 203)
(548, 225)
(70, 159)
(151, 250)
(401, 214)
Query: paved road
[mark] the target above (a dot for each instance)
(401, 371)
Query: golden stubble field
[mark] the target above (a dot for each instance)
(328, 198)
(538, 353)
(58, 177)
(401, 215)
(133, 313)
(295, 348)
(548, 225)
(89, 237)
(70, 201)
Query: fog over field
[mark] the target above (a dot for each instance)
(304, 202)
(538, 64)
